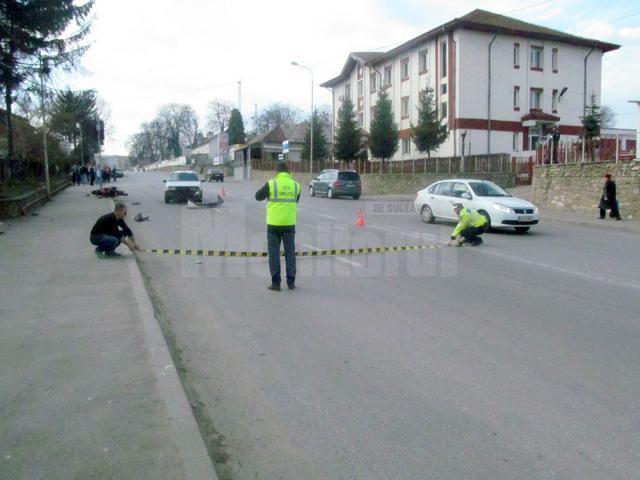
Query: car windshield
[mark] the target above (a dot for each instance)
(184, 177)
(349, 176)
(486, 189)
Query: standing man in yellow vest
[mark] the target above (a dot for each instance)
(282, 194)
(469, 228)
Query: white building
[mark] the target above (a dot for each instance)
(213, 150)
(500, 84)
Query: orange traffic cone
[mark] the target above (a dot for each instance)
(360, 220)
(222, 192)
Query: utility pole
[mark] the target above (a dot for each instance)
(637, 102)
(44, 129)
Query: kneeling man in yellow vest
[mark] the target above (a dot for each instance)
(282, 194)
(470, 226)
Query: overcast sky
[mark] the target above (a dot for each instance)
(146, 53)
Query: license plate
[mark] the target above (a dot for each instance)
(525, 218)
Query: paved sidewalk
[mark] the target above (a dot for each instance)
(87, 389)
(569, 217)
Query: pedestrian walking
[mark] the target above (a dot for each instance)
(84, 174)
(110, 230)
(609, 200)
(282, 194)
(470, 226)
(99, 176)
(114, 174)
(92, 175)
(75, 174)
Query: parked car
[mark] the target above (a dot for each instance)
(336, 183)
(498, 206)
(182, 186)
(215, 174)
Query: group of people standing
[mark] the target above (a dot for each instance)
(83, 174)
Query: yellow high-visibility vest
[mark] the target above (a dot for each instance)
(282, 202)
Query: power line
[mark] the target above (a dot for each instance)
(527, 7)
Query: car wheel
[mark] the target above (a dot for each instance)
(311, 191)
(522, 230)
(487, 218)
(330, 194)
(426, 214)
(167, 199)
(356, 197)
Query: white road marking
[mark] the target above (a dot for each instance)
(566, 271)
(328, 216)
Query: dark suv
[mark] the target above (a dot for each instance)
(215, 174)
(336, 183)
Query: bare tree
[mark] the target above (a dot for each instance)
(607, 117)
(274, 115)
(218, 115)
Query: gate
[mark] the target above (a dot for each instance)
(522, 168)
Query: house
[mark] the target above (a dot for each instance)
(500, 84)
(211, 150)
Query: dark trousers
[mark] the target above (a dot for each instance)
(104, 243)
(471, 235)
(286, 235)
(615, 213)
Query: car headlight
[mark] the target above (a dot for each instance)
(535, 210)
(502, 208)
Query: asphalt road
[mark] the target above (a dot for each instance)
(517, 359)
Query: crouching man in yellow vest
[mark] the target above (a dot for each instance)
(470, 226)
(282, 194)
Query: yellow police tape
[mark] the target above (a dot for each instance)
(306, 253)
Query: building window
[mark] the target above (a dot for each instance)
(554, 60)
(360, 88)
(535, 99)
(443, 89)
(404, 68)
(443, 110)
(516, 98)
(535, 135)
(443, 60)
(404, 107)
(554, 101)
(423, 60)
(387, 76)
(373, 83)
(516, 55)
(347, 91)
(360, 119)
(516, 144)
(406, 146)
(536, 59)
(360, 72)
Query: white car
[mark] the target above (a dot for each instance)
(182, 186)
(496, 204)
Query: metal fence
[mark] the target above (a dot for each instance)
(605, 150)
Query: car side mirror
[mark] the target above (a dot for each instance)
(466, 196)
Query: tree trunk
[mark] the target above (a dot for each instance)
(6, 171)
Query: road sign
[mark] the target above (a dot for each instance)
(285, 146)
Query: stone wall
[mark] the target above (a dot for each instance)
(578, 186)
(393, 183)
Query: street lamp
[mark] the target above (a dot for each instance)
(296, 64)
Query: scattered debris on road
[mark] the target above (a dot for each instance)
(140, 218)
(108, 192)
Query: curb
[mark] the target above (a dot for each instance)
(196, 462)
(618, 227)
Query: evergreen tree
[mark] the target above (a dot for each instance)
(347, 141)
(236, 128)
(320, 146)
(591, 123)
(430, 133)
(383, 141)
(75, 116)
(35, 36)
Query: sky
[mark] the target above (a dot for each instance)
(147, 53)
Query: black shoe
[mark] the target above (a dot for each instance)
(601, 218)
(274, 287)
(291, 286)
(112, 254)
(618, 218)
